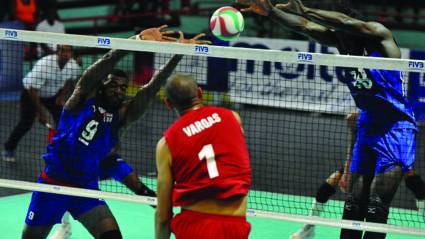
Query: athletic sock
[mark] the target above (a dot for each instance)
(421, 207)
(316, 208)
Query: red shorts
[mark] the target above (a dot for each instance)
(194, 225)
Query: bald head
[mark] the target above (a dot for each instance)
(182, 91)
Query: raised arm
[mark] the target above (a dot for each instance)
(294, 22)
(138, 105)
(93, 76)
(338, 20)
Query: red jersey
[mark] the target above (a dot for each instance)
(209, 156)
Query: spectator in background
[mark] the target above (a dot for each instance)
(47, 84)
(50, 24)
(25, 11)
(165, 7)
(184, 5)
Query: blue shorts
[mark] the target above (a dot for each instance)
(48, 208)
(118, 169)
(378, 153)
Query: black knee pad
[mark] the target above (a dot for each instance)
(115, 234)
(353, 208)
(325, 192)
(377, 210)
(416, 185)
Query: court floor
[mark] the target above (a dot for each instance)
(137, 221)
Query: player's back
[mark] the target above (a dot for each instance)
(83, 138)
(209, 156)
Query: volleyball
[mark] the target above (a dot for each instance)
(227, 23)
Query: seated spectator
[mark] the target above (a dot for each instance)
(50, 24)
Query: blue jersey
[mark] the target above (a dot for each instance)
(82, 140)
(379, 95)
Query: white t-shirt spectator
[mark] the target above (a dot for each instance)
(48, 78)
(44, 26)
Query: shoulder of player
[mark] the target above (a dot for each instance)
(162, 148)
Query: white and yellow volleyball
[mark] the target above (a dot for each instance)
(227, 23)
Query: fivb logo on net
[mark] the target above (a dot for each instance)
(104, 41)
(201, 49)
(305, 57)
(416, 65)
(10, 34)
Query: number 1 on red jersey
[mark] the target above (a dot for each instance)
(208, 152)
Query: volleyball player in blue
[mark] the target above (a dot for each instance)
(385, 143)
(87, 133)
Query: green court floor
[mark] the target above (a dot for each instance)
(137, 221)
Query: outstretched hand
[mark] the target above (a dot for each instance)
(262, 7)
(157, 34)
(194, 40)
(293, 6)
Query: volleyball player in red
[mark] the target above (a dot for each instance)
(203, 167)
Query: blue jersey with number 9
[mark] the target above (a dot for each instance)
(82, 140)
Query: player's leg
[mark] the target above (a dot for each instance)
(356, 201)
(44, 211)
(362, 170)
(416, 185)
(325, 191)
(395, 156)
(33, 232)
(98, 220)
(383, 189)
(27, 116)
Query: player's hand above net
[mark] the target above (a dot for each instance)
(262, 7)
(195, 40)
(293, 6)
(157, 34)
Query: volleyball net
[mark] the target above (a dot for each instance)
(293, 107)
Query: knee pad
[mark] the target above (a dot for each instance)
(352, 208)
(377, 210)
(115, 234)
(416, 185)
(325, 192)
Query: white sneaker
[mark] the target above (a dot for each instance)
(306, 232)
(64, 231)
